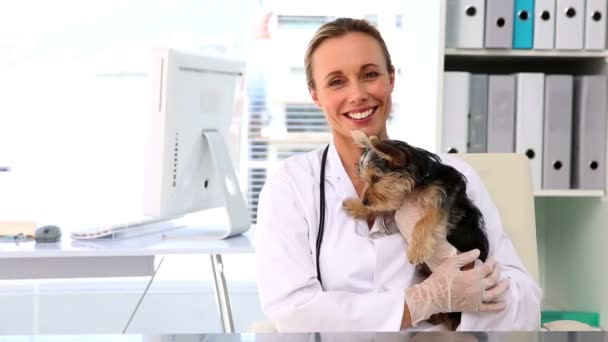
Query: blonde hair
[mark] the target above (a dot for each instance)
(338, 28)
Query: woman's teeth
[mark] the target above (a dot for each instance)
(362, 115)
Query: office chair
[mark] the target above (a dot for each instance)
(508, 179)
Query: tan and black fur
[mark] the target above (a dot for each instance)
(394, 171)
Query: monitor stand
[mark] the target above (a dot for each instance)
(234, 201)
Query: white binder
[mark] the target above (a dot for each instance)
(595, 25)
(529, 121)
(465, 24)
(455, 112)
(478, 114)
(569, 24)
(544, 24)
(589, 133)
(557, 132)
(501, 114)
(499, 24)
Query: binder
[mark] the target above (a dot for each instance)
(478, 114)
(529, 112)
(499, 24)
(465, 24)
(523, 24)
(595, 25)
(589, 133)
(557, 132)
(569, 23)
(544, 24)
(455, 112)
(501, 114)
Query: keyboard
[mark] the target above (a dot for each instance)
(125, 229)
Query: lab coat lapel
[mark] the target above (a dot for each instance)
(336, 175)
(337, 178)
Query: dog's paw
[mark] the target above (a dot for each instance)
(415, 256)
(355, 208)
(420, 251)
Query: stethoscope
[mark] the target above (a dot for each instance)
(322, 212)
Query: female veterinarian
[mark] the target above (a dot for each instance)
(321, 270)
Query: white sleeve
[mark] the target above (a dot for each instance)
(523, 297)
(290, 293)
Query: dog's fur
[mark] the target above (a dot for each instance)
(395, 171)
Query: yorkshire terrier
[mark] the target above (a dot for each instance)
(394, 172)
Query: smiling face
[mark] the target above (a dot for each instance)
(353, 85)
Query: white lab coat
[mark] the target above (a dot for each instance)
(364, 272)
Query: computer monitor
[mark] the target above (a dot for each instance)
(188, 166)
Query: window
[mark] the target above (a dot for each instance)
(74, 92)
(301, 22)
(75, 98)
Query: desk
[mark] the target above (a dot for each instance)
(117, 258)
(330, 337)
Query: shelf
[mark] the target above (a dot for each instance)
(569, 193)
(492, 53)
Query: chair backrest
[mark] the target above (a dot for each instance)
(508, 179)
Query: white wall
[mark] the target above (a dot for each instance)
(89, 308)
(540, 205)
(421, 60)
(575, 243)
(180, 300)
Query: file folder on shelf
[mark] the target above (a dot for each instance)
(455, 112)
(523, 24)
(569, 23)
(499, 24)
(557, 132)
(595, 25)
(465, 24)
(589, 133)
(544, 24)
(501, 114)
(478, 114)
(529, 122)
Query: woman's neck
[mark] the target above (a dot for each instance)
(349, 155)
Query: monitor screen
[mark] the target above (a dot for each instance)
(188, 165)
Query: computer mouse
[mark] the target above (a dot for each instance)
(48, 233)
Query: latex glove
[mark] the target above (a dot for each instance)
(449, 289)
(406, 218)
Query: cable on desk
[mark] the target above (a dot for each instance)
(143, 295)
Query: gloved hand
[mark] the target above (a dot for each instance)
(449, 289)
(406, 218)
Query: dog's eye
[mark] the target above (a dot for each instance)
(375, 179)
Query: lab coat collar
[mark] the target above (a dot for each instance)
(335, 168)
(336, 176)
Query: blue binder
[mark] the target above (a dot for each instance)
(523, 24)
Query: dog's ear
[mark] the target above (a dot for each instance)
(360, 138)
(393, 155)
